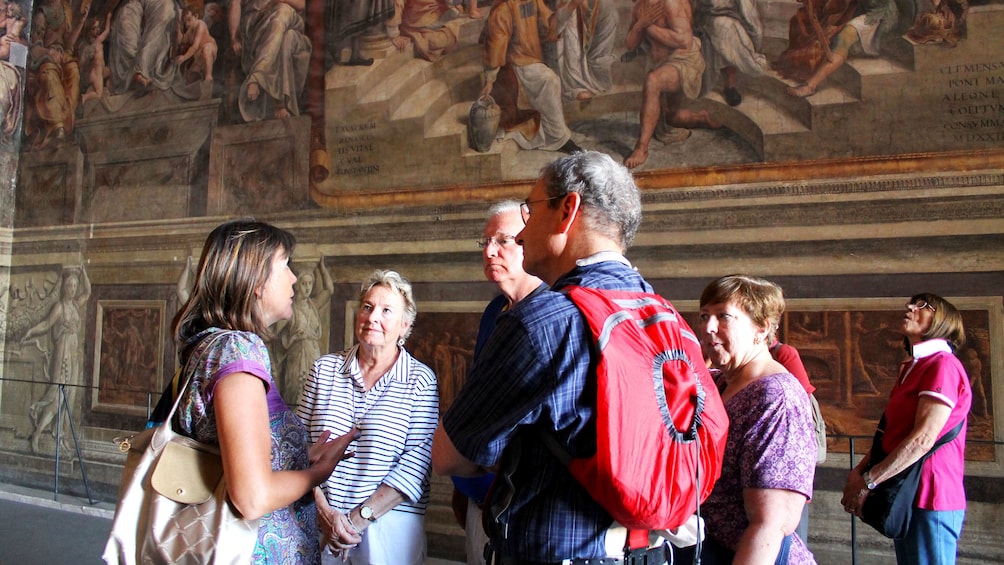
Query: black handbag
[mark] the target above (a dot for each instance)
(889, 507)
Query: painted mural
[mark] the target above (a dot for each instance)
(183, 103)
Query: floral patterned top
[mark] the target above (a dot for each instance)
(286, 535)
(771, 445)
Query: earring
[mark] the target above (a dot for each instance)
(400, 342)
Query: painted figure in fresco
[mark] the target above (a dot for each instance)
(11, 77)
(514, 64)
(142, 38)
(861, 379)
(944, 23)
(872, 21)
(970, 357)
(585, 48)
(731, 35)
(64, 325)
(92, 60)
(348, 21)
(432, 26)
(186, 281)
(268, 36)
(300, 336)
(675, 72)
(13, 29)
(199, 45)
(810, 32)
(53, 74)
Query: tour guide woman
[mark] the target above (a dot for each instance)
(244, 285)
(930, 397)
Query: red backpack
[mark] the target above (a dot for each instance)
(660, 422)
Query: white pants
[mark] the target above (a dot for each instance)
(397, 538)
(476, 536)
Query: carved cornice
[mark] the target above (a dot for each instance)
(806, 177)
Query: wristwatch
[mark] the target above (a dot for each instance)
(870, 483)
(366, 513)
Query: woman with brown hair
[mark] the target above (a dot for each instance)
(770, 452)
(931, 396)
(244, 286)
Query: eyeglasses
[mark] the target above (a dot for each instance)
(920, 305)
(501, 241)
(524, 208)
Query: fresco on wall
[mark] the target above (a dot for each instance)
(750, 82)
(297, 341)
(181, 103)
(445, 342)
(129, 355)
(45, 350)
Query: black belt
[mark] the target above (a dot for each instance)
(651, 556)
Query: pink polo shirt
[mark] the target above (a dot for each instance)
(936, 373)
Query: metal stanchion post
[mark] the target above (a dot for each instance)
(63, 402)
(854, 521)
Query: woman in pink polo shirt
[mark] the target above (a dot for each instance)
(931, 396)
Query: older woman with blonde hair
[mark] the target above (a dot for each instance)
(931, 396)
(373, 508)
(770, 453)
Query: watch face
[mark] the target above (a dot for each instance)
(366, 512)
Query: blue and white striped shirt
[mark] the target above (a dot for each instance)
(397, 418)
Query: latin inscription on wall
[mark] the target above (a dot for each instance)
(353, 151)
(973, 103)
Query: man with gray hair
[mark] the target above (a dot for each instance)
(536, 374)
(502, 259)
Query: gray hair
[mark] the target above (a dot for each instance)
(502, 207)
(611, 201)
(395, 283)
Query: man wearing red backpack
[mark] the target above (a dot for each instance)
(535, 379)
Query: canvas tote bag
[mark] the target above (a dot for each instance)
(172, 502)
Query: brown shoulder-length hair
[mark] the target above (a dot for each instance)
(946, 323)
(236, 262)
(762, 300)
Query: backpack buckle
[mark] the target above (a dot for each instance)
(647, 556)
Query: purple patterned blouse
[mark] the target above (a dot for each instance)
(771, 445)
(286, 535)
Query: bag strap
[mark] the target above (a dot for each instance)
(189, 375)
(880, 432)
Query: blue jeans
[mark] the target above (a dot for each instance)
(932, 539)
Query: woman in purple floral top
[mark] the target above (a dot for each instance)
(244, 285)
(770, 453)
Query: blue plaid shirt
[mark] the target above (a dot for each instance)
(537, 373)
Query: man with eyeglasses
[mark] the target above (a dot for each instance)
(534, 373)
(503, 265)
